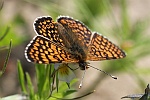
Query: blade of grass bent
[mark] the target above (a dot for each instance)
(6, 60)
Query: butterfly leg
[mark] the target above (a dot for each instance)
(80, 85)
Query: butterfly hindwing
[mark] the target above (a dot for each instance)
(41, 50)
(102, 49)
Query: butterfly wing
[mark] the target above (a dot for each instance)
(66, 40)
(79, 31)
(41, 50)
(46, 27)
(102, 49)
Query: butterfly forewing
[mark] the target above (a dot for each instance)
(78, 30)
(46, 27)
(41, 50)
(102, 49)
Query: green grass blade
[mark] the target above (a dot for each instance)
(21, 78)
(40, 75)
(6, 60)
(30, 87)
(44, 81)
(6, 32)
(57, 81)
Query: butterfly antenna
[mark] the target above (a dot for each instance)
(114, 77)
(82, 79)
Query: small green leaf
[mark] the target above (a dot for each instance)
(68, 92)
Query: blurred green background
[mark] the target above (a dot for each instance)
(124, 22)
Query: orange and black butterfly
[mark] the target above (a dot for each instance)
(68, 41)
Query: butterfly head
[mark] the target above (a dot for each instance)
(83, 65)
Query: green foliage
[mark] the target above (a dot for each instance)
(44, 87)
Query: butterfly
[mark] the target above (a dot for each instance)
(68, 41)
